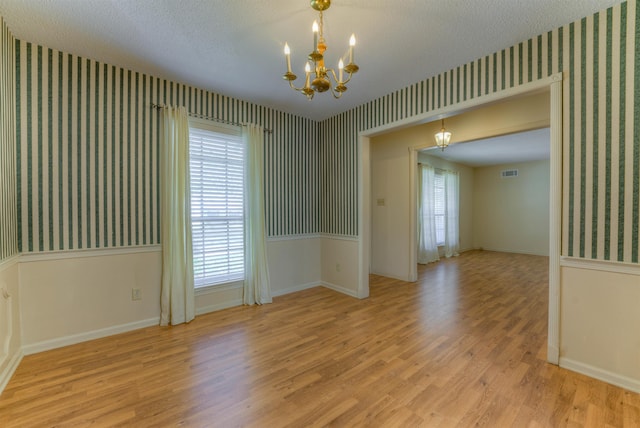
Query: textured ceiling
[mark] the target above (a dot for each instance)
(235, 47)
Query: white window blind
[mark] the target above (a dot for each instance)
(439, 208)
(217, 206)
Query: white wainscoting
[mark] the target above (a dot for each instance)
(599, 320)
(73, 296)
(340, 264)
(70, 297)
(10, 338)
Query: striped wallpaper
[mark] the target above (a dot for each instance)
(88, 153)
(600, 58)
(8, 219)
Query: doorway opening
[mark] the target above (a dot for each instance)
(368, 201)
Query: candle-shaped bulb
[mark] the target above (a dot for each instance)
(340, 67)
(315, 35)
(352, 43)
(307, 68)
(287, 54)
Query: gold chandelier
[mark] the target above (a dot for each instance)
(322, 80)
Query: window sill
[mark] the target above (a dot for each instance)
(201, 291)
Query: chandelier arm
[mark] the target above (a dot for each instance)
(294, 88)
(333, 73)
(336, 95)
(308, 92)
(335, 78)
(348, 79)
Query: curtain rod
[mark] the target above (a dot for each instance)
(214, 119)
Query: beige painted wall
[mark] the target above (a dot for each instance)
(599, 321)
(512, 214)
(390, 177)
(519, 114)
(390, 199)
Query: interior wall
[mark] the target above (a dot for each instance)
(10, 320)
(10, 327)
(390, 199)
(605, 347)
(339, 264)
(512, 214)
(294, 264)
(87, 211)
(69, 297)
(599, 58)
(390, 177)
(87, 153)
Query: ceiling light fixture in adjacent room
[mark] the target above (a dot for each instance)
(443, 137)
(316, 65)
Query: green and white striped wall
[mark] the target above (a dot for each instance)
(8, 219)
(88, 153)
(600, 58)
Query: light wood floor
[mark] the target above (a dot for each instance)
(464, 346)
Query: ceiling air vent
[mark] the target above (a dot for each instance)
(509, 173)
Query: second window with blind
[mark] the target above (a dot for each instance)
(217, 161)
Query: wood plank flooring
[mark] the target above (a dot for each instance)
(463, 346)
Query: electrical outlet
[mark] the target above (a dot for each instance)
(136, 294)
(338, 267)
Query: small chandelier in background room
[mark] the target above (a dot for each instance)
(443, 137)
(316, 65)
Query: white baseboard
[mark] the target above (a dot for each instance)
(47, 345)
(552, 354)
(601, 374)
(340, 289)
(392, 276)
(218, 307)
(8, 371)
(506, 250)
(295, 289)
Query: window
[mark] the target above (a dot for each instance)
(437, 213)
(439, 206)
(217, 203)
